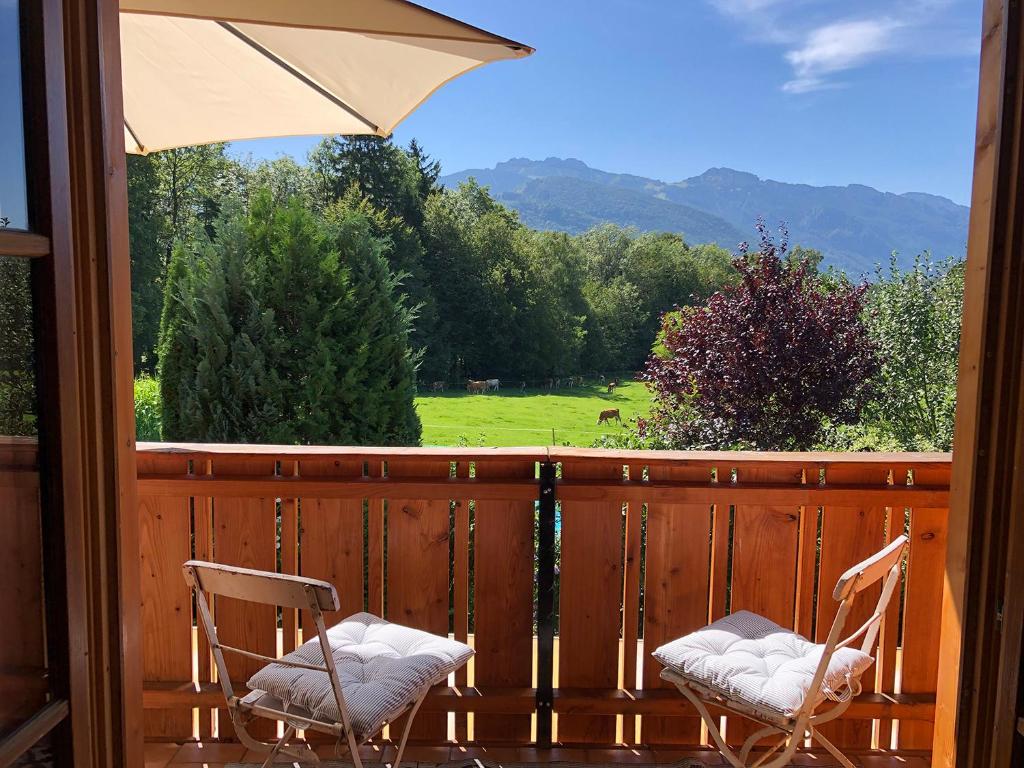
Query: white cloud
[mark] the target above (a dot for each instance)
(809, 84)
(836, 47)
(820, 38)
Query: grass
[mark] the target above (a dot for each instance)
(533, 417)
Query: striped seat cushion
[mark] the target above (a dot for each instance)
(747, 658)
(382, 667)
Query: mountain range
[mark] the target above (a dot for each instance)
(855, 226)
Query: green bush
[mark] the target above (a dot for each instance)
(147, 408)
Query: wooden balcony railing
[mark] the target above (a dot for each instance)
(648, 546)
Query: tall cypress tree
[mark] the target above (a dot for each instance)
(214, 381)
(383, 377)
(287, 328)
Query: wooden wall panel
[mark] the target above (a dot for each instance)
(590, 590)
(417, 570)
(849, 534)
(503, 600)
(922, 613)
(676, 593)
(23, 683)
(165, 543)
(245, 534)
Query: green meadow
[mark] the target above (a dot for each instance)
(532, 417)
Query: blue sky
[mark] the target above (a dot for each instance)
(878, 92)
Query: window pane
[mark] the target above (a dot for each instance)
(17, 352)
(13, 207)
(23, 681)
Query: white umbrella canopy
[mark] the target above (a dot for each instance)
(200, 71)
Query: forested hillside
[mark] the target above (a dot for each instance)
(855, 226)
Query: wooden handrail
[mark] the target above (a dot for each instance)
(805, 459)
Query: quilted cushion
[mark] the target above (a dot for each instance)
(383, 667)
(748, 658)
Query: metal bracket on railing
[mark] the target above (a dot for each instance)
(547, 499)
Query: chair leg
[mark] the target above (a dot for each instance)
(288, 733)
(832, 749)
(755, 737)
(790, 740)
(405, 731)
(279, 748)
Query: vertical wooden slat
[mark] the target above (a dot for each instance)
(676, 590)
(590, 591)
(331, 545)
(764, 558)
(164, 528)
(331, 537)
(417, 569)
(503, 604)
(923, 609)
(375, 546)
(289, 558)
(631, 601)
(202, 539)
(245, 532)
(849, 534)
(460, 593)
(888, 632)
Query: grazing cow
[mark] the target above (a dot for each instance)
(612, 385)
(579, 381)
(493, 385)
(522, 386)
(476, 387)
(558, 383)
(570, 382)
(608, 415)
(437, 386)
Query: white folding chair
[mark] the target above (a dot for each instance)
(749, 666)
(388, 668)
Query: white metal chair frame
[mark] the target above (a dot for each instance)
(804, 722)
(269, 588)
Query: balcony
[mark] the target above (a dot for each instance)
(562, 567)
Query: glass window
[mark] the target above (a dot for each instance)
(17, 352)
(23, 665)
(13, 205)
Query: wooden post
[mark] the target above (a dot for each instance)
(983, 598)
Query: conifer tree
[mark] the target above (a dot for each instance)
(383, 386)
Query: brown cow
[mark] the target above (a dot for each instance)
(612, 385)
(476, 387)
(609, 414)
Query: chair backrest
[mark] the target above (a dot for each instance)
(885, 564)
(268, 588)
(264, 587)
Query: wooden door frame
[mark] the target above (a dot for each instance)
(982, 609)
(983, 601)
(87, 416)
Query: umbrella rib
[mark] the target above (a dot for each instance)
(135, 137)
(297, 74)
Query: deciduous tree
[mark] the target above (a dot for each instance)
(763, 363)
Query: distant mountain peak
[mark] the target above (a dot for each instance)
(727, 175)
(855, 226)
